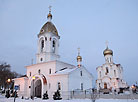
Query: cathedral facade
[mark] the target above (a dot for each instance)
(49, 73)
(110, 75)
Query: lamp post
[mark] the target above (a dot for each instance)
(33, 87)
(8, 91)
(9, 80)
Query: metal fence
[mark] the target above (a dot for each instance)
(95, 95)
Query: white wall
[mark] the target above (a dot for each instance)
(75, 79)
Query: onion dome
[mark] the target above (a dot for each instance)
(79, 58)
(108, 51)
(49, 27)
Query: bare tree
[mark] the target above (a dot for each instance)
(5, 74)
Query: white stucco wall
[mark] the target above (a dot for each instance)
(75, 79)
(22, 83)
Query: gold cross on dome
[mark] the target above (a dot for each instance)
(106, 44)
(78, 51)
(49, 8)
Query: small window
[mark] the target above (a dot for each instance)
(115, 73)
(100, 74)
(42, 45)
(49, 71)
(54, 45)
(80, 73)
(45, 38)
(30, 73)
(59, 86)
(49, 85)
(81, 86)
(106, 70)
(41, 59)
(99, 85)
(50, 38)
(39, 71)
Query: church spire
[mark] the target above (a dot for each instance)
(49, 16)
(79, 58)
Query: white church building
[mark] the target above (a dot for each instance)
(49, 73)
(110, 75)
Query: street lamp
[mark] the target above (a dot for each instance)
(33, 86)
(9, 80)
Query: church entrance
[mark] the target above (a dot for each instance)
(105, 85)
(38, 88)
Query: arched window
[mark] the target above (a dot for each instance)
(107, 70)
(81, 86)
(99, 85)
(39, 71)
(115, 73)
(80, 73)
(30, 73)
(45, 38)
(41, 59)
(42, 45)
(49, 71)
(54, 45)
(59, 86)
(100, 74)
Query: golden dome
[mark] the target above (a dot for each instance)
(108, 51)
(79, 58)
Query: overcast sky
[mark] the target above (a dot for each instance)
(87, 24)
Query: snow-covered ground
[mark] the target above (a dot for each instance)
(2, 99)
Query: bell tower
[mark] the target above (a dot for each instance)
(48, 41)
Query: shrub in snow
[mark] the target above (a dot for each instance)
(22, 97)
(57, 96)
(7, 94)
(45, 96)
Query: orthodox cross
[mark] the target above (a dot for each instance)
(106, 44)
(50, 9)
(78, 51)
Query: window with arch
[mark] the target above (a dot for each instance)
(81, 86)
(54, 45)
(80, 73)
(41, 59)
(100, 74)
(45, 38)
(49, 71)
(59, 86)
(39, 71)
(107, 71)
(99, 85)
(115, 73)
(30, 73)
(42, 45)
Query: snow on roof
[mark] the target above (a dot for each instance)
(65, 71)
